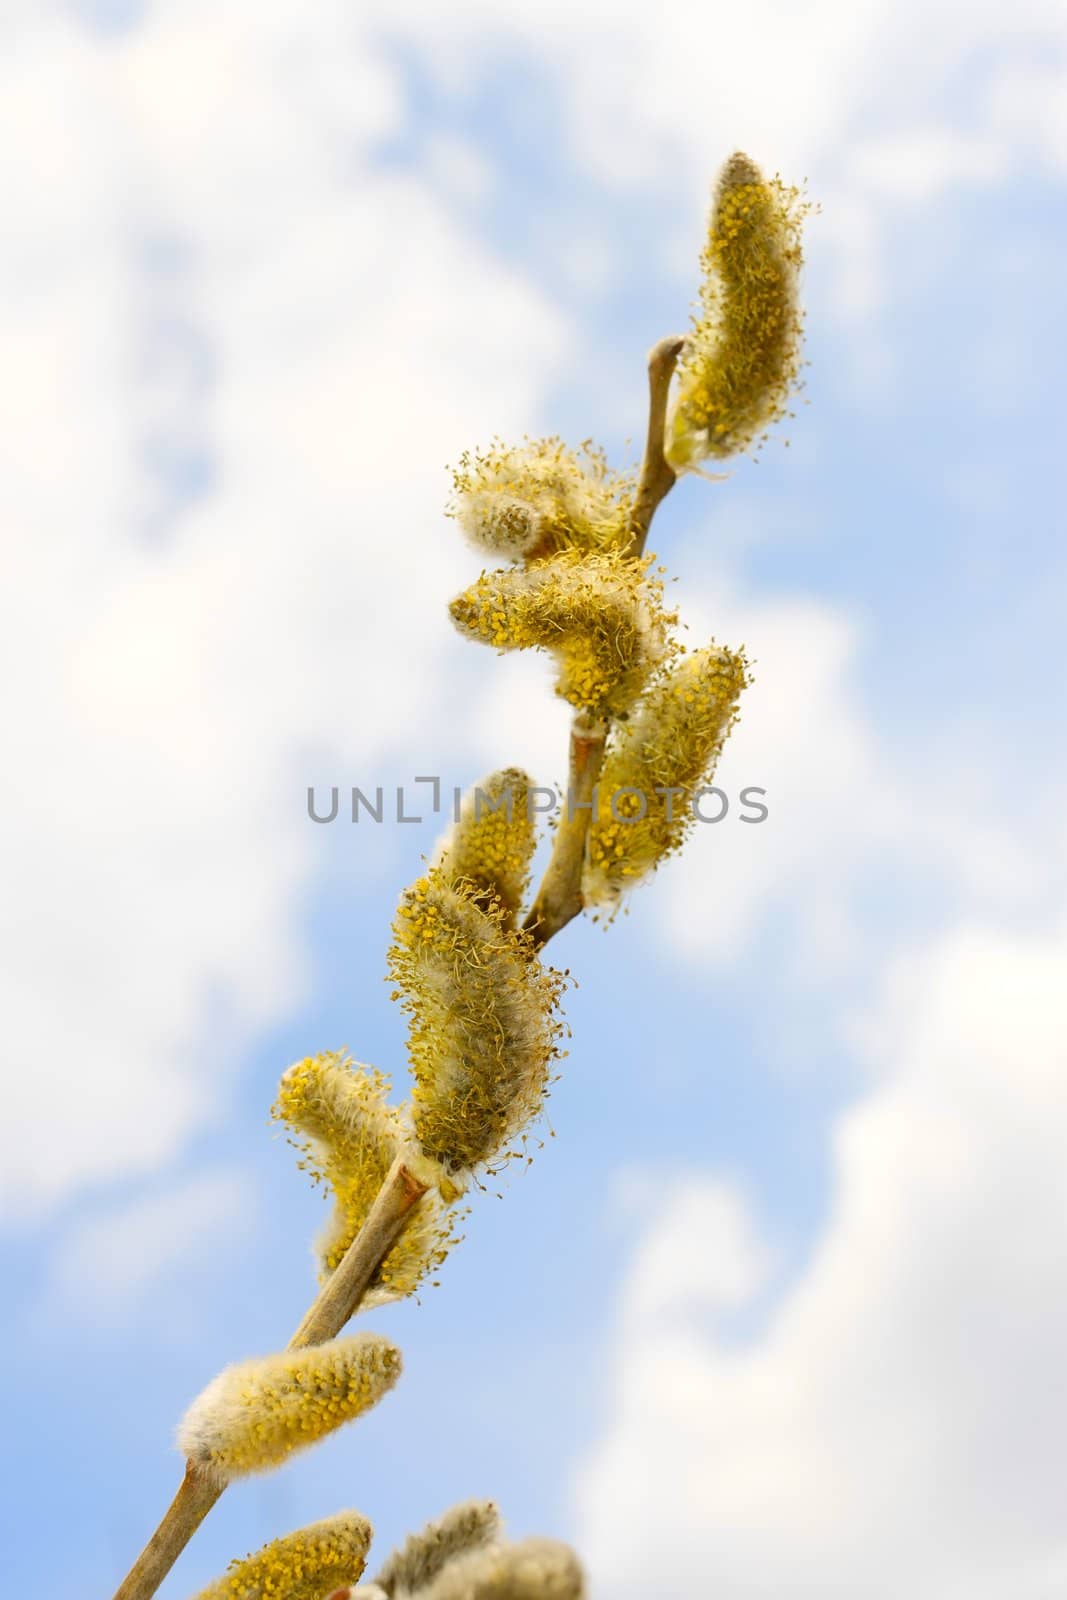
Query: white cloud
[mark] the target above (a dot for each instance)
(919, 164)
(119, 1264)
(843, 802)
(1028, 105)
(894, 1429)
(205, 272)
(863, 99)
(179, 679)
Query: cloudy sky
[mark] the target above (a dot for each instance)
(780, 1311)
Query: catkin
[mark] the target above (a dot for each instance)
(535, 1569)
(656, 763)
(339, 1116)
(255, 1414)
(742, 358)
(492, 844)
(540, 497)
(601, 617)
(482, 1025)
(307, 1565)
(422, 1556)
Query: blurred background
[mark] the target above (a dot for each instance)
(780, 1311)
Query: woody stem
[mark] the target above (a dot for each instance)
(559, 898)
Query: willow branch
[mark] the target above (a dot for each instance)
(657, 475)
(196, 1495)
(559, 898)
(558, 901)
(343, 1290)
(335, 1303)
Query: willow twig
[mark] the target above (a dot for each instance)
(342, 1292)
(559, 898)
(657, 475)
(558, 902)
(335, 1303)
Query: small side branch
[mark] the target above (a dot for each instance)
(344, 1289)
(559, 898)
(657, 475)
(336, 1302)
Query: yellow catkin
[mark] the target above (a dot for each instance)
(534, 499)
(600, 615)
(742, 358)
(339, 1117)
(421, 1557)
(493, 842)
(482, 1024)
(307, 1565)
(670, 743)
(255, 1414)
(535, 1569)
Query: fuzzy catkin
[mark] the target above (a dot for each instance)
(535, 1569)
(255, 1414)
(422, 1556)
(670, 744)
(339, 1116)
(493, 843)
(307, 1565)
(482, 1024)
(600, 615)
(534, 499)
(742, 358)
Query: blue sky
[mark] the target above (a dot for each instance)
(780, 1308)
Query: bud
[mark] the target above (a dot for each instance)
(301, 1566)
(536, 1569)
(742, 358)
(351, 1136)
(418, 1561)
(492, 844)
(537, 498)
(482, 1028)
(600, 615)
(256, 1413)
(670, 743)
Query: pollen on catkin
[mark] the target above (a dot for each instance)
(655, 764)
(255, 1414)
(600, 615)
(535, 1569)
(742, 358)
(339, 1117)
(493, 843)
(422, 1556)
(307, 1565)
(534, 499)
(482, 1022)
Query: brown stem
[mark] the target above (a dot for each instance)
(559, 899)
(196, 1495)
(657, 476)
(345, 1287)
(333, 1306)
